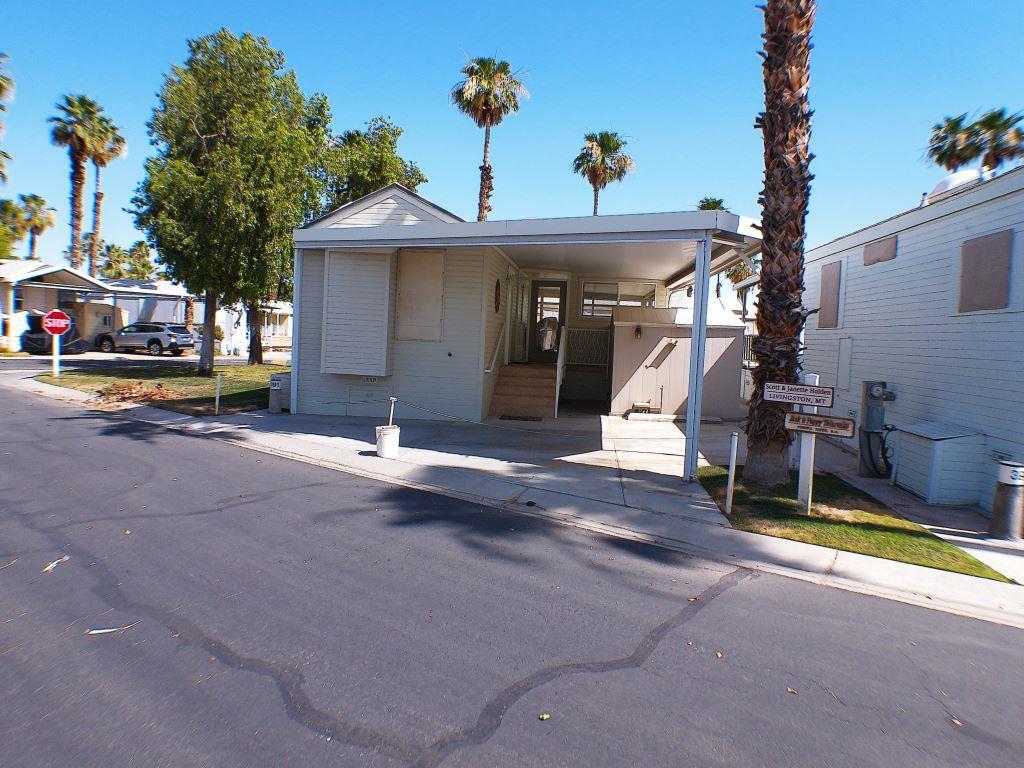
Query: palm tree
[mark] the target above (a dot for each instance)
(108, 144)
(6, 90)
(488, 92)
(114, 262)
(785, 125)
(38, 219)
(954, 143)
(602, 161)
(1000, 137)
(75, 128)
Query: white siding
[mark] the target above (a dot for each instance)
(356, 313)
(388, 212)
(443, 376)
(901, 316)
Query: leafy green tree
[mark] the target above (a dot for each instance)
(362, 161)
(602, 160)
(711, 204)
(6, 91)
(38, 218)
(108, 144)
(488, 92)
(231, 175)
(954, 143)
(75, 127)
(12, 227)
(1001, 137)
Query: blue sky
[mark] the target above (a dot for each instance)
(680, 79)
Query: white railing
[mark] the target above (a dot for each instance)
(560, 368)
(588, 346)
(497, 348)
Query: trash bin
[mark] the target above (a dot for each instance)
(387, 441)
(280, 392)
(1007, 519)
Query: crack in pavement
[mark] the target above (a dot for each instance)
(491, 716)
(290, 681)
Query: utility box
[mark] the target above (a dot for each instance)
(280, 392)
(939, 462)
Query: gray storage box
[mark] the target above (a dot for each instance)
(939, 462)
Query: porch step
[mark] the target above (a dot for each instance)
(528, 371)
(524, 391)
(525, 386)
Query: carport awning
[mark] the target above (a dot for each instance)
(660, 246)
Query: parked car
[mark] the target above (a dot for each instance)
(36, 341)
(155, 338)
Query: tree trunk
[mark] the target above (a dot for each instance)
(31, 244)
(190, 313)
(786, 126)
(255, 318)
(486, 179)
(77, 185)
(209, 334)
(597, 191)
(97, 203)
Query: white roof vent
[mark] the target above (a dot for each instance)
(954, 181)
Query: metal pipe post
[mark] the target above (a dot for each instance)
(734, 443)
(391, 410)
(216, 399)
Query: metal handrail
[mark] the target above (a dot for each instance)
(560, 367)
(497, 348)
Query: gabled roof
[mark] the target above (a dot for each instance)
(26, 270)
(395, 190)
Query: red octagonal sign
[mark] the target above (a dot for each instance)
(56, 322)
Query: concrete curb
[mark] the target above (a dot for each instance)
(912, 584)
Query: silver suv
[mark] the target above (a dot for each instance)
(155, 338)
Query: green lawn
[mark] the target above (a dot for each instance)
(245, 387)
(842, 517)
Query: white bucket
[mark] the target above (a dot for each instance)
(387, 442)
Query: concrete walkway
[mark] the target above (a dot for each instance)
(606, 475)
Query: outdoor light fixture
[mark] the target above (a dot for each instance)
(638, 331)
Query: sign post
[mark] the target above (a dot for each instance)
(56, 323)
(808, 397)
(805, 479)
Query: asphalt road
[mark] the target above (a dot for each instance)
(286, 615)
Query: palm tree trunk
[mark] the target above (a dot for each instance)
(31, 244)
(486, 179)
(597, 191)
(786, 128)
(77, 185)
(209, 334)
(97, 203)
(255, 317)
(190, 313)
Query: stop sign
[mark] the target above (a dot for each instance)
(56, 322)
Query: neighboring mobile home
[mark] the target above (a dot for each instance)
(396, 296)
(31, 286)
(931, 301)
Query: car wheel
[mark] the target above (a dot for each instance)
(107, 345)
(155, 348)
(178, 352)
